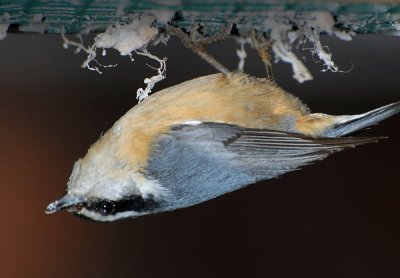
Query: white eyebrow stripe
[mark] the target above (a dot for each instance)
(108, 218)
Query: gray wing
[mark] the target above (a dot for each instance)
(200, 162)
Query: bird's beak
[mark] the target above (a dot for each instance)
(65, 202)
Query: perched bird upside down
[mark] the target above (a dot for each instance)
(200, 139)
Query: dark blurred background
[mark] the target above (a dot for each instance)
(338, 218)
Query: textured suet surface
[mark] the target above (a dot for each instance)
(370, 16)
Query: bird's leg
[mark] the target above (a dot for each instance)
(263, 48)
(197, 45)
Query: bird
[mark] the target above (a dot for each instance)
(200, 139)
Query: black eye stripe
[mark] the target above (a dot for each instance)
(132, 203)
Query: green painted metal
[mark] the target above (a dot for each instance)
(84, 16)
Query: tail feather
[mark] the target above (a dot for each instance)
(351, 124)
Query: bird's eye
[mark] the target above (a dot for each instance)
(106, 207)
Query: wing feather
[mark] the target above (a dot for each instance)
(208, 156)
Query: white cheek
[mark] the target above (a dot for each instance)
(104, 187)
(75, 171)
(103, 177)
(149, 188)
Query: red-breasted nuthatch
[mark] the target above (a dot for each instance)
(200, 139)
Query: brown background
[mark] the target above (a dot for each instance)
(338, 218)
